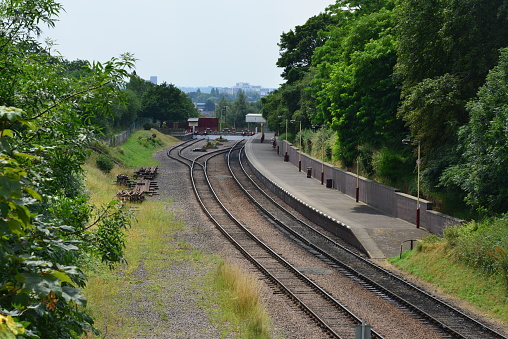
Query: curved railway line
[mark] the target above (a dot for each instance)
(332, 317)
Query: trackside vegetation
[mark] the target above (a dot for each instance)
(470, 262)
(360, 77)
(229, 295)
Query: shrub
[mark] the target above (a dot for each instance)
(149, 125)
(389, 165)
(104, 163)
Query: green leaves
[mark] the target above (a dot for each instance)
(46, 124)
(167, 103)
(482, 175)
(10, 328)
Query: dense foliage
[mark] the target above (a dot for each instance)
(481, 172)
(167, 103)
(231, 114)
(379, 72)
(47, 226)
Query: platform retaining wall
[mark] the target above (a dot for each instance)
(331, 225)
(385, 199)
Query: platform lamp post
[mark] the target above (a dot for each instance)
(357, 178)
(322, 152)
(411, 142)
(286, 156)
(220, 118)
(323, 158)
(224, 114)
(300, 152)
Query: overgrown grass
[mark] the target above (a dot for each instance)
(138, 149)
(470, 262)
(239, 303)
(118, 299)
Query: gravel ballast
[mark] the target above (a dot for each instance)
(181, 314)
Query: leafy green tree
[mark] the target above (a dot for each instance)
(239, 110)
(356, 92)
(209, 105)
(127, 109)
(484, 145)
(46, 222)
(138, 85)
(445, 47)
(297, 46)
(167, 103)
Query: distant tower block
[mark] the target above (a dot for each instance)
(153, 79)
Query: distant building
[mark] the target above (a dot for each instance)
(153, 79)
(202, 125)
(246, 87)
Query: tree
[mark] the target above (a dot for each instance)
(298, 45)
(484, 145)
(46, 222)
(127, 109)
(445, 49)
(209, 105)
(167, 103)
(355, 90)
(138, 85)
(239, 110)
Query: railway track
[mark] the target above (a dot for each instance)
(332, 317)
(442, 316)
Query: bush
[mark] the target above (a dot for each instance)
(481, 244)
(104, 163)
(390, 166)
(149, 125)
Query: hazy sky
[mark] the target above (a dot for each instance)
(184, 42)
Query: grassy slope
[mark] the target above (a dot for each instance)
(115, 298)
(436, 261)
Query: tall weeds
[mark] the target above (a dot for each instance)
(241, 299)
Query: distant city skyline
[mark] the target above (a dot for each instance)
(244, 86)
(184, 43)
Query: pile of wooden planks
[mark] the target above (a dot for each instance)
(139, 188)
(146, 172)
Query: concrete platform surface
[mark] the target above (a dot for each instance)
(382, 236)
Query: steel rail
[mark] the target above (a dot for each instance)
(485, 331)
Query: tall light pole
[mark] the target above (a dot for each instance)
(286, 156)
(323, 157)
(220, 119)
(357, 178)
(224, 114)
(322, 151)
(300, 152)
(411, 142)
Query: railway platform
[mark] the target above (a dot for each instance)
(380, 235)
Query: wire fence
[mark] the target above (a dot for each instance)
(120, 138)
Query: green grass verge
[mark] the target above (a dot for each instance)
(118, 299)
(436, 262)
(138, 149)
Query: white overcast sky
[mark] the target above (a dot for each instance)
(184, 42)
